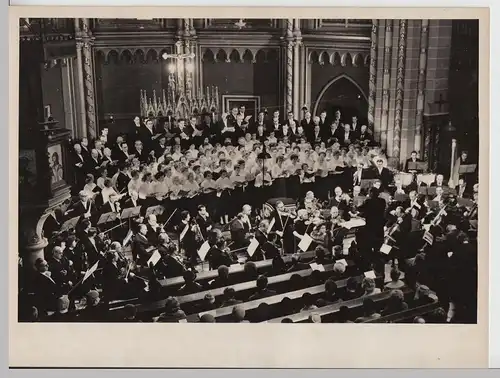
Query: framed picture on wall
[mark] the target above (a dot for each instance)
(251, 104)
(56, 167)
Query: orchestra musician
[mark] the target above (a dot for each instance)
(170, 264)
(463, 190)
(187, 237)
(383, 174)
(266, 249)
(219, 254)
(204, 221)
(154, 229)
(140, 246)
(439, 181)
(341, 202)
(413, 159)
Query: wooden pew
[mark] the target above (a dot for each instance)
(319, 289)
(210, 275)
(233, 269)
(406, 314)
(244, 286)
(330, 309)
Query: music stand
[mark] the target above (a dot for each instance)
(422, 190)
(431, 190)
(366, 184)
(467, 168)
(70, 224)
(417, 166)
(465, 202)
(155, 210)
(107, 218)
(449, 191)
(433, 204)
(401, 197)
(131, 212)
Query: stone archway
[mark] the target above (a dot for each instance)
(344, 93)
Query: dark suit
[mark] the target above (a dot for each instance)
(169, 266)
(216, 257)
(467, 191)
(139, 246)
(385, 177)
(122, 182)
(365, 137)
(315, 137)
(373, 210)
(93, 166)
(331, 134)
(409, 161)
(46, 292)
(142, 155)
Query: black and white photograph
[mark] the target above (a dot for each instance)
(252, 170)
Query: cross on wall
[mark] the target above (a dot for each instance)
(440, 102)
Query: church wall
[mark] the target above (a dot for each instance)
(118, 86)
(322, 74)
(245, 78)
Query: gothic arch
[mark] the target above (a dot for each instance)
(208, 56)
(358, 60)
(333, 81)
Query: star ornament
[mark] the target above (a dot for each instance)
(241, 24)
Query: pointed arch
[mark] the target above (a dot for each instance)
(367, 60)
(221, 56)
(208, 56)
(335, 59)
(324, 58)
(112, 57)
(260, 57)
(346, 60)
(358, 60)
(126, 57)
(152, 55)
(314, 57)
(331, 82)
(234, 57)
(247, 56)
(139, 56)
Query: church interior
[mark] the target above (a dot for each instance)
(248, 170)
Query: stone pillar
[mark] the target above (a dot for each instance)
(85, 40)
(31, 239)
(189, 47)
(422, 65)
(451, 183)
(289, 66)
(373, 76)
(179, 63)
(400, 82)
(80, 87)
(386, 81)
(296, 69)
(68, 96)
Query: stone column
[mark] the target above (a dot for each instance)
(32, 241)
(386, 84)
(85, 40)
(422, 66)
(451, 183)
(68, 95)
(189, 34)
(179, 63)
(400, 82)
(80, 87)
(289, 66)
(296, 68)
(373, 76)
